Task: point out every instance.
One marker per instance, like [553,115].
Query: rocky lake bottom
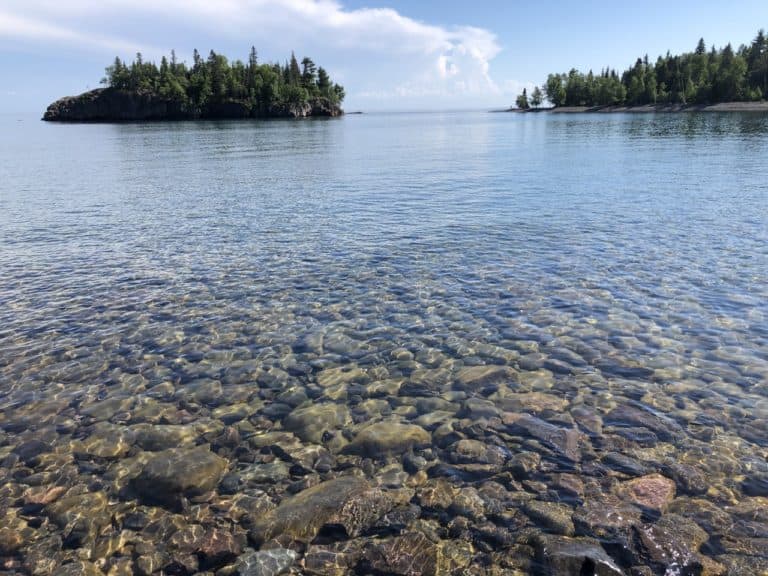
[229,383]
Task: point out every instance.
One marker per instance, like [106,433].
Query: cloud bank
[378,53]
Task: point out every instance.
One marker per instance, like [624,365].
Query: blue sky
[389,54]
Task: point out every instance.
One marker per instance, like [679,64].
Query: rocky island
[211,88]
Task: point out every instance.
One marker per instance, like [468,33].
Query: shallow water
[271,290]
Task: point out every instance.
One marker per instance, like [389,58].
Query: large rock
[311,422]
[607,517]
[564,441]
[171,474]
[671,545]
[551,516]
[388,439]
[633,416]
[213,547]
[653,492]
[265,563]
[81,517]
[563,556]
[475,377]
[336,560]
[348,505]
[411,554]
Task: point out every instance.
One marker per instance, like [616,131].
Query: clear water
[608,260]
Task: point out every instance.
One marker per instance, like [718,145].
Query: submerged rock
[608,518]
[551,516]
[688,479]
[387,439]
[265,563]
[310,423]
[412,554]
[654,491]
[474,377]
[563,441]
[671,545]
[564,556]
[171,474]
[346,505]
[80,517]
[631,416]
[335,560]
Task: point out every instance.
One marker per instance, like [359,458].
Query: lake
[392,343]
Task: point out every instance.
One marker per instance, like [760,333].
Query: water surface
[557,309]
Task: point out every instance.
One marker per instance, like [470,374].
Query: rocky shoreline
[650,108]
[481,478]
[111,105]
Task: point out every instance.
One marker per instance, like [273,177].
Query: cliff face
[109,105]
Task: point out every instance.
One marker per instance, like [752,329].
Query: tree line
[699,77]
[215,80]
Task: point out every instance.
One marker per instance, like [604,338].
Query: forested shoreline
[704,76]
[211,87]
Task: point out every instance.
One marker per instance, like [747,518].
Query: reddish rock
[653,491]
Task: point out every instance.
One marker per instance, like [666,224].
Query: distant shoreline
[649,108]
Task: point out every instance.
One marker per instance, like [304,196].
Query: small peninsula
[211,88]
[702,80]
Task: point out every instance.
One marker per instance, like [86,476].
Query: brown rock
[348,503]
[10,541]
[411,554]
[43,496]
[653,491]
[388,439]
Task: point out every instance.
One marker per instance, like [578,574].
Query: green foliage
[555,90]
[536,97]
[700,76]
[522,100]
[216,80]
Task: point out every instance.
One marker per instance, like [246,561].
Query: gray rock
[28,451]
[265,563]
[475,452]
[624,464]
[671,544]
[563,556]
[348,503]
[630,416]
[171,474]
[551,516]
[564,441]
[688,479]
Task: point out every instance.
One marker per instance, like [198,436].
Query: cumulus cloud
[412,57]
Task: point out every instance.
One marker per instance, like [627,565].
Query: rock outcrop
[111,105]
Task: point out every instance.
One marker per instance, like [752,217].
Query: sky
[389,54]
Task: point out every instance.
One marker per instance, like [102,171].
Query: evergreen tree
[536,97]
[294,72]
[522,100]
[700,76]
[213,81]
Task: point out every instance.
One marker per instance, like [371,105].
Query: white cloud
[14,26]
[411,58]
